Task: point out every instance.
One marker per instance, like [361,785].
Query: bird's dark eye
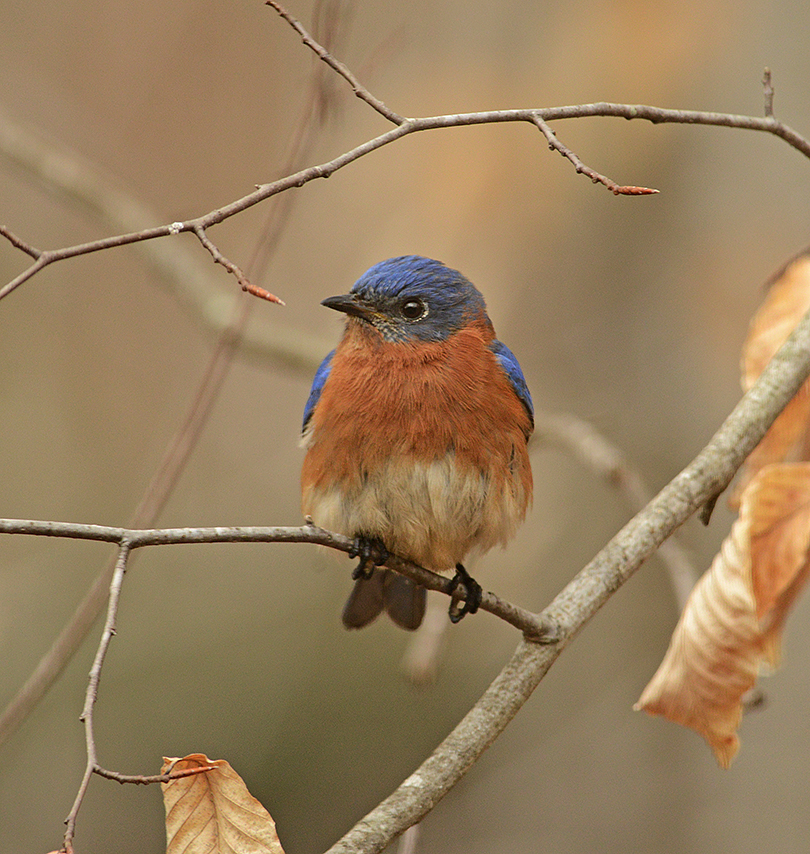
[413,309]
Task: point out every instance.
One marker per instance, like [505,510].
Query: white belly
[432,513]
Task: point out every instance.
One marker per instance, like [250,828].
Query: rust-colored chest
[422,400]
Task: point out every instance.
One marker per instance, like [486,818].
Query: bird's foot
[371,552]
[472,594]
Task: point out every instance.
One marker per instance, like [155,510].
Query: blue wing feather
[321,375]
[508,361]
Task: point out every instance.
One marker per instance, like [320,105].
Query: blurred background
[627,312]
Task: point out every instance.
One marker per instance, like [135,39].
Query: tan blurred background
[627,312]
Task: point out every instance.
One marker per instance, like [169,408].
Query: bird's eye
[413,309]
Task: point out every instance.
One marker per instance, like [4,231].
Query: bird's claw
[473,594]
[371,552]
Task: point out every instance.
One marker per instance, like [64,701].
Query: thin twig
[19,243]
[50,256]
[338,66]
[142,780]
[617,189]
[767,88]
[232,268]
[92,690]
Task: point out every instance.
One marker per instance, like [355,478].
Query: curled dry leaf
[733,620]
[787,301]
[214,812]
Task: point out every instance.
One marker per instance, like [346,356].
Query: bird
[416,431]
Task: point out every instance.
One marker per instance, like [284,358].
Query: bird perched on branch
[416,431]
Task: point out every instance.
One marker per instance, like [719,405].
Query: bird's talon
[362,570]
[473,593]
[371,552]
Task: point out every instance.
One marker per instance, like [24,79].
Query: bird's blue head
[412,298]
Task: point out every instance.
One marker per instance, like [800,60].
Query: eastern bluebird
[416,432]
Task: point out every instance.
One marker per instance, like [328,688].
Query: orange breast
[405,403]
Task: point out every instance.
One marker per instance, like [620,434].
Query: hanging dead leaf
[787,301]
[214,812]
[733,620]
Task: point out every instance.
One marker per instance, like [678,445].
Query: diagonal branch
[232,268]
[711,471]
[19,243]
[337,66]
[555,145]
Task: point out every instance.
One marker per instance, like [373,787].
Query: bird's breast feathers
[422,446]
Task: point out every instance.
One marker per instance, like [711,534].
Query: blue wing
[321,375]
[508,361]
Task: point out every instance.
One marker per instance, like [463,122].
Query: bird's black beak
[349,304]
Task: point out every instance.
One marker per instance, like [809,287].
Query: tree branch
[655,115]
[710,472]
[141,538]
[337,66]
[555,145]
[145,780]
[92,691]
[702,480]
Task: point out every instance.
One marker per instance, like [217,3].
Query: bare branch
[135,538]
[141,780]
[50,256]
[92,691]
[555,145]
[338,66]
[655,115]
[30,272]
[19,243]
[710,472]
[697,484]
[767,89]
[232,268]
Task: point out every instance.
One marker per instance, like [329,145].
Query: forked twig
[519,617]
[92,690]
[405,126]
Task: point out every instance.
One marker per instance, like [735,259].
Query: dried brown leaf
[214,812]
[787,301]
[733,620]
